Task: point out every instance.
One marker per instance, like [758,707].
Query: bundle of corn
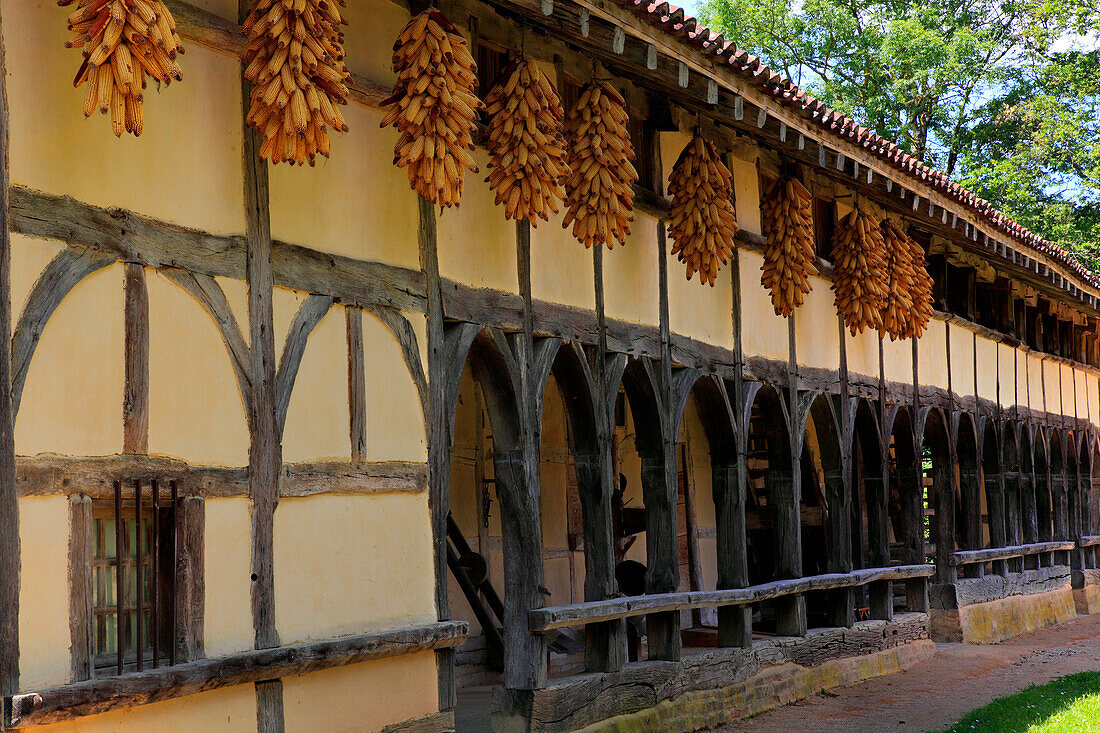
[907,307]
[599,194]
[859,269]
[123,40]
[435,107]
[789,253]
[526,143]
[702,223]
[295,61]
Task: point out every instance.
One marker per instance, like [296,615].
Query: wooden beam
[357,384]
[135,401]
[968,557]
[9,503]
[305,320]
[556,617]
[68,702]
[81,551]
[190,591]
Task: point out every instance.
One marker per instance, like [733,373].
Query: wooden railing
[575,614]
[1089,540]
[1089,555]
[1041,553]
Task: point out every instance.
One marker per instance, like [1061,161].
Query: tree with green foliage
[976,88]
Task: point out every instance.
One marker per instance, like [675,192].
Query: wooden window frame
[180,614]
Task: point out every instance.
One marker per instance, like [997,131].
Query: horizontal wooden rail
[556,617]
[969,557]
[100,695]
[1089,540]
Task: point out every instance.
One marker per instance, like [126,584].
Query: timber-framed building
[365,454]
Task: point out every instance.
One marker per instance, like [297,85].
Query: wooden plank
[81,551]
[357,384]
[968,557]
[135,400]
[9,503]
[190,590]
[305,320]
[81,699]
[556,617]
[48,475]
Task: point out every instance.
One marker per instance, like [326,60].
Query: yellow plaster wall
[861,351]
[763,332]
[986,358]
[356,203]
[700,311]
[1035,381]
[224,710]
[72,400]
[395,423]
[1068,390]
[477,245]
[361,697]
[317,417]
[224,8]
[1051,372]
[366,560]
[630,275]
[184,168]
[1006,371]
[227,615]
[817,335]
[932,354]
[672,144]
[1092,394]
[561,267]
[28,258]
[372,28]
[962,360]
[897,360]
[196,412]
[44,592]
[746,191]
[1021,376]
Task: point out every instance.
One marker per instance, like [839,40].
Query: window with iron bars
[133,578]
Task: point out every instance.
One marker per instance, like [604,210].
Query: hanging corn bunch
[526,143]
[908,303]
[789,253]
[295,61]
[122,41]
[435,107]
[702,222]
[599,194]
[859,272]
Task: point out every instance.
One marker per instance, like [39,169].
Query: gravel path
[935,693]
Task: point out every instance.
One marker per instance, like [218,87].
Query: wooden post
[604,643]
[81,552]
[357,384]
[659,489]
[787,496]
[994,494]
[944,483]
[880,594]
[265,450]
[9,496]
[135,401]
[838,494]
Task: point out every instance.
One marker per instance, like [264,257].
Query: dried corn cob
[295,61]
[435,107]
[599,192]
[859,272]
[526,143]
[702,222]
[122,41]
[789,254]
[908,300]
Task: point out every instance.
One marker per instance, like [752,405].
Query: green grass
[1067,705]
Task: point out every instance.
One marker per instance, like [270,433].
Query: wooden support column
[838,494]
[969,486]
[659,489]
[135,401]
[944,482]
[357,384]
[880,594]
[910,482]
[790,611]
[604,643]
[440,428]
[264,451]
[9,503]
[994,495]
[1058,499]
[1029,512]
[81,552]
[729,486]
[1011,479]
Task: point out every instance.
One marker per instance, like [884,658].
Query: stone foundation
[1004,618]
[713,687]
[1086,591]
